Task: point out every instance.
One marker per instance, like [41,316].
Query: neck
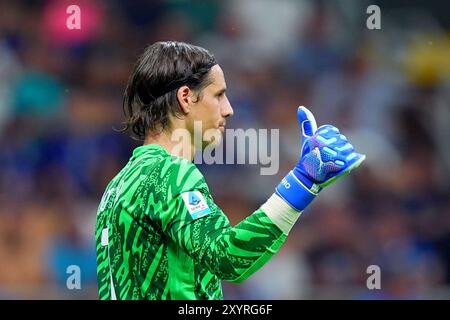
[177,147]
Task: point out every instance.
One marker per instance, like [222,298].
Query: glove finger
[355,162]
[307,122]
[327,130]
[344,148]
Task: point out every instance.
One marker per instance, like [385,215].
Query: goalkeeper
[159,234]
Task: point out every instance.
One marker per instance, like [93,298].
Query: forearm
[235,253]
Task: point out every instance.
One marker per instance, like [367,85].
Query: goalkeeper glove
[326,155]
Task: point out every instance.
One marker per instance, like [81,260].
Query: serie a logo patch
[196,204]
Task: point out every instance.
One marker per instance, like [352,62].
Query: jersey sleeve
[194,222]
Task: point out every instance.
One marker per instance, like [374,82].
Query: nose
[227,110]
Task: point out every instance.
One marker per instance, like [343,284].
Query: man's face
[212,109]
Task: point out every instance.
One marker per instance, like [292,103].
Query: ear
[184,96]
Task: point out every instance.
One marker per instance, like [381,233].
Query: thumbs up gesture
[326,155]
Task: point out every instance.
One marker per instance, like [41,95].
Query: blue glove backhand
[326,155]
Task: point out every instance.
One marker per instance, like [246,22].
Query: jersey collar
[152,148]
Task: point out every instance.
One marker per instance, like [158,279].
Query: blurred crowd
[387,90]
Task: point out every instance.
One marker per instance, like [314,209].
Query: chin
[213,139]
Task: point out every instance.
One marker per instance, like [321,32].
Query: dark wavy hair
[151,93]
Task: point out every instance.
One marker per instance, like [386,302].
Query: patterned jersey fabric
[159,234]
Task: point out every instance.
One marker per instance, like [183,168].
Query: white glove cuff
[281,213]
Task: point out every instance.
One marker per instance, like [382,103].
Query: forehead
[217,77]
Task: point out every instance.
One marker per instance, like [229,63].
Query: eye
[221,94]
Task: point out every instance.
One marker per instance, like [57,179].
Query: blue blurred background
[388,90]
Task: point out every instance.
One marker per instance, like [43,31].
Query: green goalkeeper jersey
[159,234]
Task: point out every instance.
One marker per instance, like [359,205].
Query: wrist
[297,190]
[282,214]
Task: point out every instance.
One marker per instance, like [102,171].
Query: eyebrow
[221,91]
